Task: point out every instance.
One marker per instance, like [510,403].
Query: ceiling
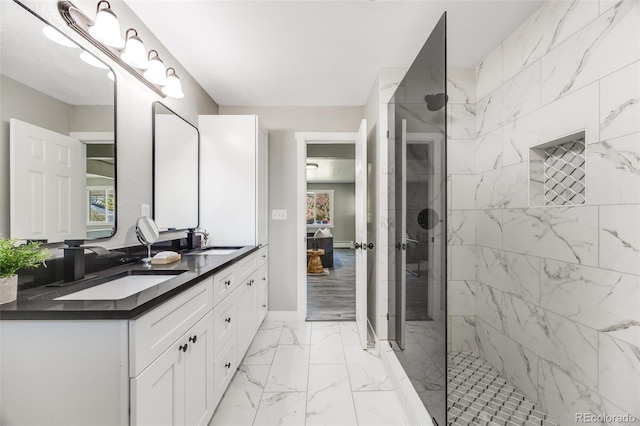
[317,53]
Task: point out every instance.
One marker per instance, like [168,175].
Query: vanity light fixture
[173,88]
[312,166]
[106,28]
[156,72]
[134,52]
[92,60]
[104,34]
[57,37]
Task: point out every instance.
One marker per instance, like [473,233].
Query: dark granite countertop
[38,303]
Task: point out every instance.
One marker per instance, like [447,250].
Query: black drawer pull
[228,365]
[184,347]
[193,339]
[227,320]
[227,283]
[250,282]
[264,278]
[264,306]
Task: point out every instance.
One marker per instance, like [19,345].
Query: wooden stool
[315,263]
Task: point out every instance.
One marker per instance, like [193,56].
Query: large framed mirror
[175,170]
[57,134]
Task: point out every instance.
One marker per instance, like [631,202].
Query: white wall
[282,123]
[134,104]
[558,297]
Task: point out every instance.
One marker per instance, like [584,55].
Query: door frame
[302,139]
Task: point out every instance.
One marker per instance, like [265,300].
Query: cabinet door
[252,311]
[198,387]
[157,394]
[243,334]
[262,187]
[262,298]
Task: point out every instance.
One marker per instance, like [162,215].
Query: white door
[198,377]
[361,233]
[48,184]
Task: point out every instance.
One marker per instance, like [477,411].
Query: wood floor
[333,297]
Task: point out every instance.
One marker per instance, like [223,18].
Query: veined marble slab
[620,238]
[512,273]
[504,187]
[613,175]
[462,228]
[620,102]
[489,228]
[488,151]
[567,233]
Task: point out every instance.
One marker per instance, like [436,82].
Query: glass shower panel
[417,123]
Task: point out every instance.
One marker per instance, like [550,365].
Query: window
[101,205]
[320,209]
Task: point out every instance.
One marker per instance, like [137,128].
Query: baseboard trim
[284,316]
[417,414]
[343,244]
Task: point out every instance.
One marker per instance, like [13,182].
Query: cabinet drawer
[154,332]
[225,323]
[247,266]
[224,366]
[263,255]
[223,283]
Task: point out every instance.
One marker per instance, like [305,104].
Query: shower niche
[557,172]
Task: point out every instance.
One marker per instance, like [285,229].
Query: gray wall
[344,198]
[282,123]
[18,101]
[134,130]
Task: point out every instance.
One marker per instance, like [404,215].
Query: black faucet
[74,258]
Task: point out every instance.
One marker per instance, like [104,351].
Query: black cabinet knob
[183,348]
[227,320]
[228,365]
[227,283]
[193,339]
[264,278]
[264,306]
[249,283]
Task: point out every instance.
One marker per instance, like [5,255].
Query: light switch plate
[278,214]
[145,210]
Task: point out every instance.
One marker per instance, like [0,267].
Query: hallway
[304,374]
[332,297]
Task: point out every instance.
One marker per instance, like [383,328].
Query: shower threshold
[478,395]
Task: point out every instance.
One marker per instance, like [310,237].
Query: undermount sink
[122,285]
[208,251]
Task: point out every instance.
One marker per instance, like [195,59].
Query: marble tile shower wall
[461,168]
[556,289]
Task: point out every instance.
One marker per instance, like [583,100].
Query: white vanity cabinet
[169,366]
[171,352]
[234,179]
[177,388]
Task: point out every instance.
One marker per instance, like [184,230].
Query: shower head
[436,101]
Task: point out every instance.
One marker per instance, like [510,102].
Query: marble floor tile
[296,333]
[329,400]
[366,371]
[271,325]
[241,400]
[379,409]
[289,369]
[284,408]
[349,333]
[326,344]
[263,347]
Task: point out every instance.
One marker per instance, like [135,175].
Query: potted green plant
[14,257]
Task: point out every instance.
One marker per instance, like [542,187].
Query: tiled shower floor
[479,395]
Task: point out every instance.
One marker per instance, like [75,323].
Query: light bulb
[173,88]
[57,37]
[156,72]
[134,52]
[92,60]
[106,28]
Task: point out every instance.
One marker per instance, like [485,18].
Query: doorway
[359,141]
[330,220]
